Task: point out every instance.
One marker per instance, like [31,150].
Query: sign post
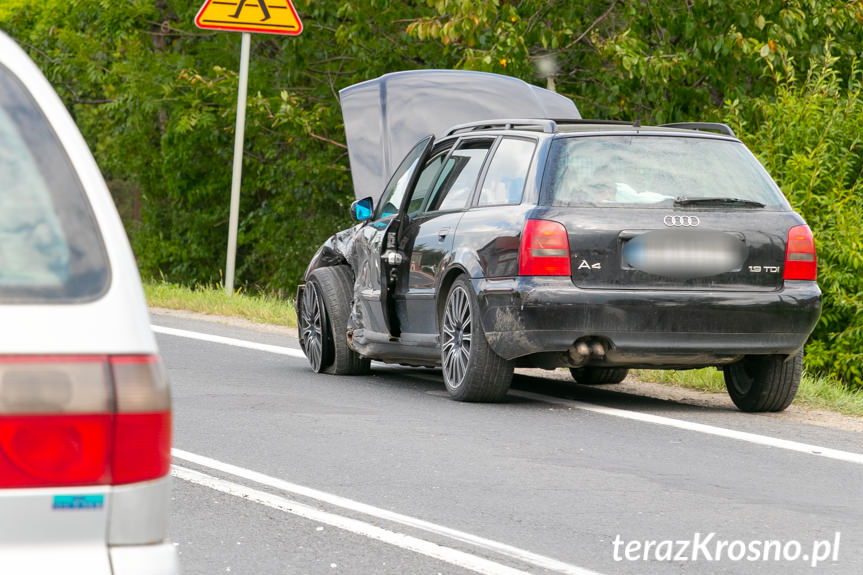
[237,172]
[262,16]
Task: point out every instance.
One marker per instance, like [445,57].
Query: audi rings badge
[681,221]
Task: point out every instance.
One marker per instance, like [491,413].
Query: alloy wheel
[456,337]
[312,327]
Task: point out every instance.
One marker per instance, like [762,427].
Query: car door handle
[442,233]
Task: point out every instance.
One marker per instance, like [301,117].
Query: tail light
[83,420]
[544,249]
[800,260]
[142,428]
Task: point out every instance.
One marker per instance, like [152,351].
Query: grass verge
[213,300]
[815,391]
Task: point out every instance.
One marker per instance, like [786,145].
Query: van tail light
[83,420]
[142,428]
[800,260]
[544,249]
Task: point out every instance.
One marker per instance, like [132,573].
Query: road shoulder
[664,392]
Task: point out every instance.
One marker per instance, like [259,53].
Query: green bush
[808,136]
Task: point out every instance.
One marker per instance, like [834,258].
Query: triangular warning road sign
[268,16]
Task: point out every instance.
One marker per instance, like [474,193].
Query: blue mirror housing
[362,210]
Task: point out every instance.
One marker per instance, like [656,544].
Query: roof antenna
[637,123]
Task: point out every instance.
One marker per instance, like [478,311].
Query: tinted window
[428,176]
[458,176]
[391,199]
[651,171]
[50,247]
[504,181]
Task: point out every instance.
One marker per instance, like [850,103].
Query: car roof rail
[713,126]
[547,126]
[589,121]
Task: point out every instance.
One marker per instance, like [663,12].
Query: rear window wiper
[717,202]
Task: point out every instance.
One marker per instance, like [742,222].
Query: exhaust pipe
[581,351]
[597,349]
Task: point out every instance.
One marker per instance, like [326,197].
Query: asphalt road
[282,471]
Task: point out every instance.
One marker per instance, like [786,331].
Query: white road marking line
[765,440]
[281,350]
[378,513]
[847,456]
[414,544]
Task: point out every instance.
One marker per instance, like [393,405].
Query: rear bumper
[530,315]
[119,530]
[89,558]
[159,559]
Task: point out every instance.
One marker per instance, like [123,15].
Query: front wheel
[323,319]
[764,383]
[472,371]
[313,328]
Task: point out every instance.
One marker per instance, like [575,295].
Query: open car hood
[385,117]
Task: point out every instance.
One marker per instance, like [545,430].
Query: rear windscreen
[653,171]
[50,247]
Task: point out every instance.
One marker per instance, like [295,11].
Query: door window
[392,197]
[458,177]
[427,178]
[504,181]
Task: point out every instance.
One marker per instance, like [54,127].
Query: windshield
[654,171]
[50,248]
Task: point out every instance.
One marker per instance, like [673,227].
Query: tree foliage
[661,60]
[156,99]
[808,136]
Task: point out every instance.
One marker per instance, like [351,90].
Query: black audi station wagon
[553,241]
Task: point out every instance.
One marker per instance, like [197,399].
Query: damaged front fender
[336,251]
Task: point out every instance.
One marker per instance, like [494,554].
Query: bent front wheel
[313,328]
[335,287]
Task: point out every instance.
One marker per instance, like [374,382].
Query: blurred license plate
[684,254]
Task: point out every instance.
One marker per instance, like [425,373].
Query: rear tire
[598,375]
[335,286]
[764,383]
[472,371]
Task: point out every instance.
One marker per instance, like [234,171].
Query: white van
[85,413]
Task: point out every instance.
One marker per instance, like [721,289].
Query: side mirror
[362,210]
